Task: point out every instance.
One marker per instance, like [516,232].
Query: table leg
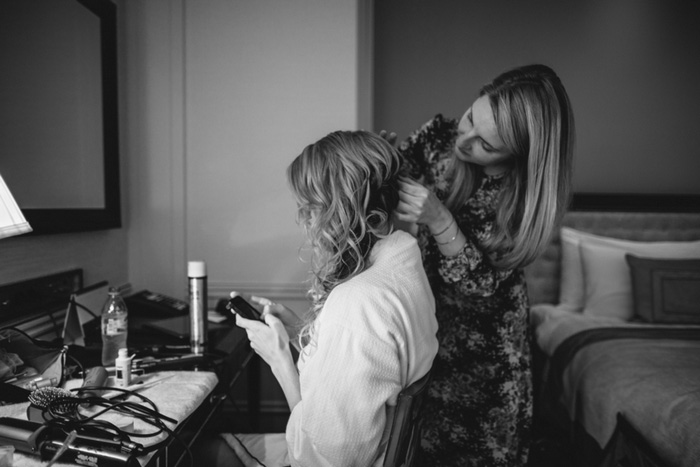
[254,393]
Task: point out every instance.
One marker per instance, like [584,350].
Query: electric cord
[81,306]
[149,415]
[59,410]
[54,323]
[37,342]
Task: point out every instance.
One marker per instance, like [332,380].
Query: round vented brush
[50,402]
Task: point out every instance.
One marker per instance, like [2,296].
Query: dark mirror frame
[48,221]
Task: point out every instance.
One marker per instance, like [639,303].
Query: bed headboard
[543,275]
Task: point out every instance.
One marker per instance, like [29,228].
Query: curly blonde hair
[346,188]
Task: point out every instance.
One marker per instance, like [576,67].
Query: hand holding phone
[243,308]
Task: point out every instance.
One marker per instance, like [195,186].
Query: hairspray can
[197,279]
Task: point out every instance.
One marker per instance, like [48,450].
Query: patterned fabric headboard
[543,275]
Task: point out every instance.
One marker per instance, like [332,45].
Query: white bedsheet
[552,325]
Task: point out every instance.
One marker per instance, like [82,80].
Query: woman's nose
[464,145]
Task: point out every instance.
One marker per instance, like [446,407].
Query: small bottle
[197,281]
[114,327]
[122,365]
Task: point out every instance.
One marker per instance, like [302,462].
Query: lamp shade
[12,222]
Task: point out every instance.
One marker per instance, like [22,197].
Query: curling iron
[35,438]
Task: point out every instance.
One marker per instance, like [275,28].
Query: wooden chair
[405,435]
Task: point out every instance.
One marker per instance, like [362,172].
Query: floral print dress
[479,407]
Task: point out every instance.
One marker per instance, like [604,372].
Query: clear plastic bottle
[114,327]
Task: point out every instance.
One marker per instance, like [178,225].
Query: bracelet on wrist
[450,240]
[445,229]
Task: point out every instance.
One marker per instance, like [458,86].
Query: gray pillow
[665,290]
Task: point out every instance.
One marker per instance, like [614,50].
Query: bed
[616,324]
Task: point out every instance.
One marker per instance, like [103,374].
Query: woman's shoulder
[393,259]
[395,275]
[436,134]
[438,126]
[396,241]
[430,143]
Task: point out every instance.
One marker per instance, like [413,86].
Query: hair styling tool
[49,402]
[35,438]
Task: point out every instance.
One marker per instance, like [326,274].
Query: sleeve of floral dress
[427,144]
[471,271]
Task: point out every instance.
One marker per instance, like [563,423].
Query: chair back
[405,435]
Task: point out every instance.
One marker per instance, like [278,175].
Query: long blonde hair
[535,120]
[346,187]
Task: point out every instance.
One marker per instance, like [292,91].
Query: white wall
[221,96]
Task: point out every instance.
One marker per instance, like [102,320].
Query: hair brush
[48,402]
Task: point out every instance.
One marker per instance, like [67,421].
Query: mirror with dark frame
[59,143]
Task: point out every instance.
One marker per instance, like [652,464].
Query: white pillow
[608,286]
[572,285]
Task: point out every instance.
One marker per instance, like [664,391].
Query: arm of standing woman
[419,205]
[463,261]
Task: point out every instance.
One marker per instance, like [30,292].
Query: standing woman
[486,193]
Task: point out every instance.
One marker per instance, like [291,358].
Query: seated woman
[371,329]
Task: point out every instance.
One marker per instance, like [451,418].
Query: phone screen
[243,308]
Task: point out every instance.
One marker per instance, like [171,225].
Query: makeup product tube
[122,366]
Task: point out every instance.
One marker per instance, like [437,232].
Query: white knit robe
[374,336]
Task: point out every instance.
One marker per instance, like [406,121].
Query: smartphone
[243,308]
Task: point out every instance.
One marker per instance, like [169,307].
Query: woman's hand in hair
[419,205]
[389,137]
